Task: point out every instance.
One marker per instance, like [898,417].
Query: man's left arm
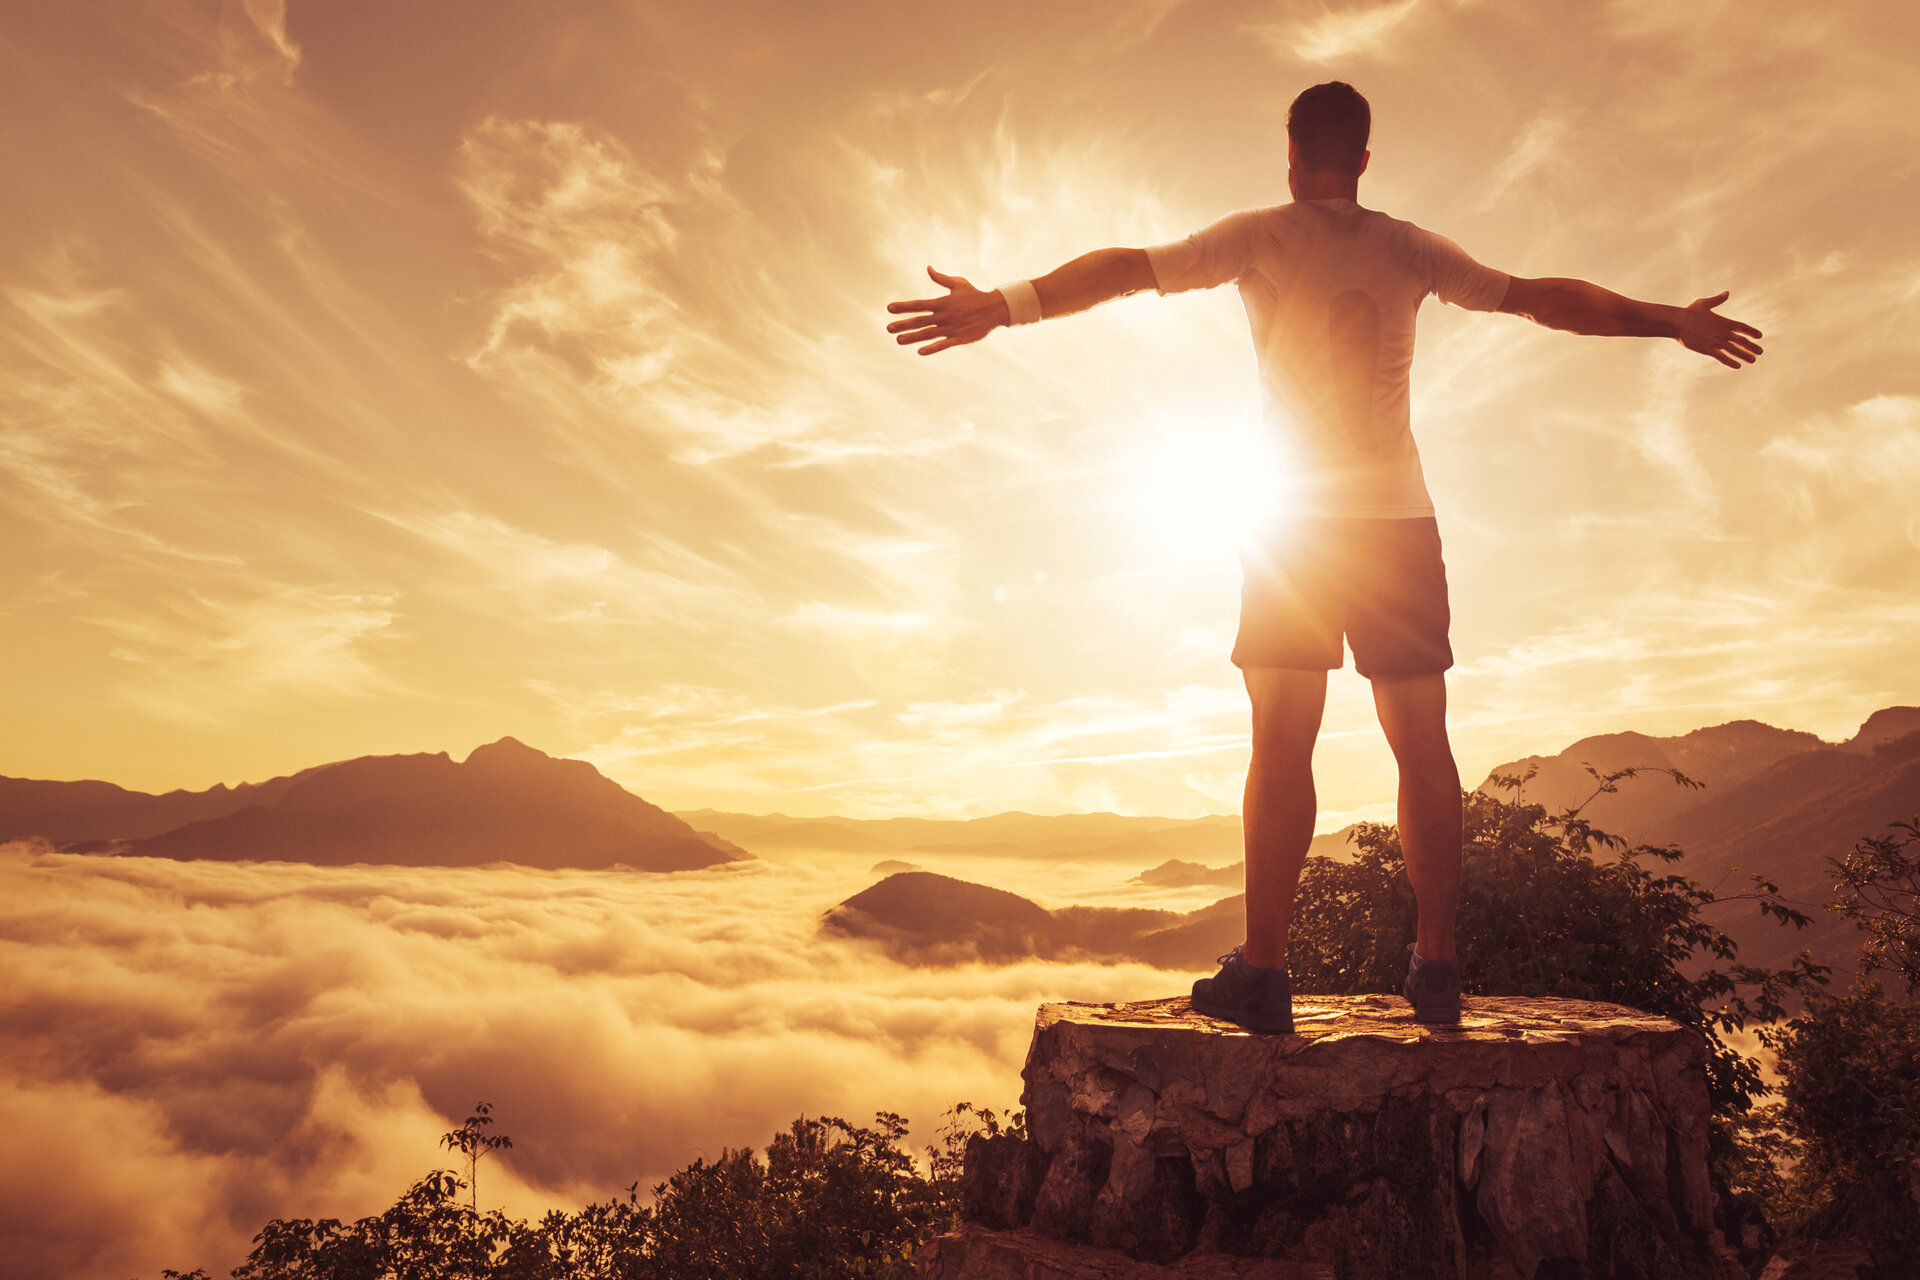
[1579,306]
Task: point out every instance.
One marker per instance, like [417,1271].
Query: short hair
[1329,124]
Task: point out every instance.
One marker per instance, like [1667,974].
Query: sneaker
[1258,999]
[1433,988]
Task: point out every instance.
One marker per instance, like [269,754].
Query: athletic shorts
[1380,583]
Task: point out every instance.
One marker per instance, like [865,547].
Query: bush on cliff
[829,1200]
[1544,911]
[1850,1071]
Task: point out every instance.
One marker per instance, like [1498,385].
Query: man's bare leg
[1413,712]
[1279,808]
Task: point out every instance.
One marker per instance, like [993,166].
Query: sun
[1200,486]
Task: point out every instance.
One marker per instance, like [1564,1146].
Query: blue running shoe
[1258,999]
[1433,988]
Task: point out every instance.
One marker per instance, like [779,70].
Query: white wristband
[1023,303]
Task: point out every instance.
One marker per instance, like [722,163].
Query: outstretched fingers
[1738,341]
[1727,340]
[925,328]
[934,324]
[924,323]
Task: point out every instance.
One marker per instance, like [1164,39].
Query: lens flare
[1200,486]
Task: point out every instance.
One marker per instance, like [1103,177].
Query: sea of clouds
[190,1049]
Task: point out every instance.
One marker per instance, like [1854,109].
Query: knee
[1280,743]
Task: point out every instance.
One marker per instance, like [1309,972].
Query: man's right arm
[1577,306]
[967,314]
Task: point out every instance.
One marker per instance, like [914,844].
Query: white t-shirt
[1331,290]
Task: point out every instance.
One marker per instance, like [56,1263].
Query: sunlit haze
[391,376]
[385,378]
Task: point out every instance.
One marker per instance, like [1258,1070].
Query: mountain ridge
[506,802]
[1765,809]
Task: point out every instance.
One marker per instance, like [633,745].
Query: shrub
[1542,915]
[1850,1065]
[830,1199]
[1879,884]
[1850,1081]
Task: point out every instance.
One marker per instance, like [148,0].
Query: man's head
[1327,129]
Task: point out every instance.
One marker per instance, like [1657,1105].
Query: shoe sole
[1444,1017]
[1242,1018]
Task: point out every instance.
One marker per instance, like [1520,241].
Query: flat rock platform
[1539,1138]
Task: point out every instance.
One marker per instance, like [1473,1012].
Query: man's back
[1331,291]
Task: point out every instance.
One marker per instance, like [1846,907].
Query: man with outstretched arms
[1331,290]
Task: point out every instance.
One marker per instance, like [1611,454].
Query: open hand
[1731,342]
[965,315]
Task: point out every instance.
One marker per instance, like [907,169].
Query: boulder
[1540,1138]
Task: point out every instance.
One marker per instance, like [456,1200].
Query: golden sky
[385,377]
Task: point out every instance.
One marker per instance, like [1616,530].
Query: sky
[382,377]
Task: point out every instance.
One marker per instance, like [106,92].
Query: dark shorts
[1381,583]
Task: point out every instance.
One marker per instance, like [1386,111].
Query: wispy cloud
[1543,146]
[585,390]
[207,658]
[1329,32]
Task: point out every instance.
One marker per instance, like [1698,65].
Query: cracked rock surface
[1539,1138]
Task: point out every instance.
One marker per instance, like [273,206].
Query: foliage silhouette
[1850,1074]
[1879,884]
[473,1141]
[829,1200]
[1543,912]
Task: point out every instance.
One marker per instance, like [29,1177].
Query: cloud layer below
[191,1049]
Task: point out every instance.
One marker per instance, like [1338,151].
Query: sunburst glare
[1198,484]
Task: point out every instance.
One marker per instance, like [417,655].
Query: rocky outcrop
[1540,1138]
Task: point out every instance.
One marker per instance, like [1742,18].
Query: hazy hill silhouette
[1177,873]
[73,812]
[1776,803]
[1077,837]
[1721,757]
[506,802]
[923,918]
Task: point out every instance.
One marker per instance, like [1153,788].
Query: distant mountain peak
[1885,725]
[504,748]
[507,802]
[1724,757]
